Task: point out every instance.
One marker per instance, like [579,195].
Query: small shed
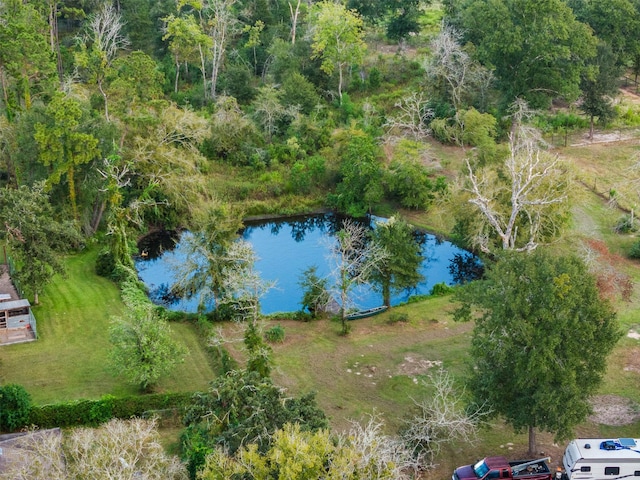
[17,323]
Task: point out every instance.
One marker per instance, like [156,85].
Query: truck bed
[537,468]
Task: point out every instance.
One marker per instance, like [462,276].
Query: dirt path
[6,286]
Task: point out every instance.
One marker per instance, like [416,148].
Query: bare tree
[102,42]
[294,20]
[268,110]
[243,286]
[534,186]
[441,418]
[378,455]
[120,449]
[412,117]
[220,27]
[451,64]
[352,259]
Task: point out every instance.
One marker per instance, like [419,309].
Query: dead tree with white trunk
[353,259]
[522,202]
[441,418]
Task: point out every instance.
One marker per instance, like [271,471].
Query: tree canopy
[540,342]
[34,236]
[538,49]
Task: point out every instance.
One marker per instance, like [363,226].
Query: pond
[285,248]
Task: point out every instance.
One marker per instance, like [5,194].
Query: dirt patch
[632,361]
[613,410]
[633,334]
[609,137]
[414,365]
[6,285]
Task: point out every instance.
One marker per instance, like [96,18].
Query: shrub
[102,411]
[275,334]
[635,250]
[441,289]
[94,412]
[15,406]
[105,263]
[396,317]
[375,78]
[626,224]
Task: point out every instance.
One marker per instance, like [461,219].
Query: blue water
[285,248]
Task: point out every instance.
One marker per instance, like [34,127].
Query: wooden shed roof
[13,304]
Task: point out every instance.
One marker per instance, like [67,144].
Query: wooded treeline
[165,105]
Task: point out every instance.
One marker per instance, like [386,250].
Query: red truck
[500,468]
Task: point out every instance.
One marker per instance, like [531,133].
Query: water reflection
[287,247]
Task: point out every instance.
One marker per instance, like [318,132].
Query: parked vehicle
[602,459]
[501,468]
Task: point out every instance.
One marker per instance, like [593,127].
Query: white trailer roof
[625,448]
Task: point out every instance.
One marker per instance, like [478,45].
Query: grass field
[70,359]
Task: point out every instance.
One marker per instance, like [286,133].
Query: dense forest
[121,118]
[164,107]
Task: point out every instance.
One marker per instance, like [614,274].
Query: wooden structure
[17,323]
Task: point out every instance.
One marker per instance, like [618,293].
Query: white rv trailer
[602,459]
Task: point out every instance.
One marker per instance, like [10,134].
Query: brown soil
[614,410]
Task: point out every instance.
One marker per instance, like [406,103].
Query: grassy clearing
[378,366]
[69,361]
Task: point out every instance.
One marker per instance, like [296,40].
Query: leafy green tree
[241,408]
[401,269]
[188,44]
[300,93]
[63,143]
[132,84]
[599,85]
[615,22]
[360,186]
[408,180]
[403,19]
[143,350]
[400,16]
[529,61]
[15,406]
[219,22]
[207,265]
[26,61]
[35,236]
[338,38]
[315,294]
[540,342]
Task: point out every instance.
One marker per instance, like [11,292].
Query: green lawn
[69,361]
